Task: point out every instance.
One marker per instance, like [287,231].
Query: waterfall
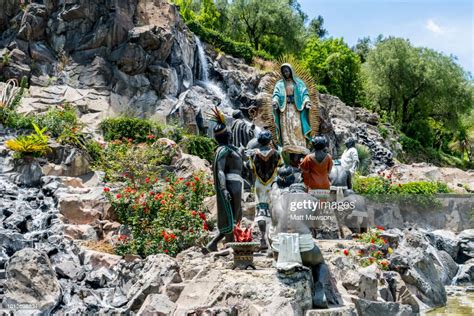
[458,274]
[211,86]
[203,71]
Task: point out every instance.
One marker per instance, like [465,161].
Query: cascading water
[203,70]
[210,86]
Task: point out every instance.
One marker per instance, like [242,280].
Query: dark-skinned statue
[288,232]
[228,183]
[316,166]
[264,162]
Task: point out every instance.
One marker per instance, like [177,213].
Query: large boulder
[157,305]
[371,308]
[416,260]
[32,281]
[188,165]
[158,272]
[466,245]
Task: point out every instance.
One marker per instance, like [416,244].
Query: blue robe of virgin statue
[293,128]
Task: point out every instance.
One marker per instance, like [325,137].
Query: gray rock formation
[31,281]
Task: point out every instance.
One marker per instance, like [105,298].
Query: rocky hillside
[138,58]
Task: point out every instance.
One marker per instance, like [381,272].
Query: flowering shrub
[374,249]
[162,216]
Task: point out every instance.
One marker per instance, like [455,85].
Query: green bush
[201,146]
[136,129]
[365,158]
[122,160]
[383,131]
[416,193]
[57,120]
[236,49]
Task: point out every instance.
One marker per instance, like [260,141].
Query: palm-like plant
[365,158]
[35,144]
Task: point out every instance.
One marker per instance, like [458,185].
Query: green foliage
[418,193]
[365,159]
[414,83]
[242,26]
[162,217]
[316,28]
[334,66]
[35,144]
[121,160]
[57,120]
[201,146]
[272,25]
[383,131]
[136,129]
[236,49]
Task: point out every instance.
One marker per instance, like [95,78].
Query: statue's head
[237,114]
[297,188]
[319,142]
[350,142]
[264,138]
[222,134]
[285,177]
[286,71]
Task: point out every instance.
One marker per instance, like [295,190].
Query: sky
[444,25]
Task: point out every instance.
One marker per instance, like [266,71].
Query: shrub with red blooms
[162,216]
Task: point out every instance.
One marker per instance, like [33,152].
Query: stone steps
[333,311]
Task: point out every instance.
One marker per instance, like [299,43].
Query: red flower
[172,236]
[118,196]
[202,216]
[380,227]
[194,213]
[205,227]
[163,202]
[384,240]
[152,193]
[346,252]
[166,250]
[106,190]
[150,136]
[196,178]
[188,184]
[167,179]
[147,180]
[122,237]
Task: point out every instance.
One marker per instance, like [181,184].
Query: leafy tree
[335,67]
[414,84]
[315,27]
[272,25]
[362,48]
[209,15]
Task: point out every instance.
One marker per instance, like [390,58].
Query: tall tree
[335,67]
[362,48]
[413,84]
[274,25]
[315,27]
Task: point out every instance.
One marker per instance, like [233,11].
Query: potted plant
[243,247]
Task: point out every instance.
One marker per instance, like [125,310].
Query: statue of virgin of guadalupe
[294,117]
